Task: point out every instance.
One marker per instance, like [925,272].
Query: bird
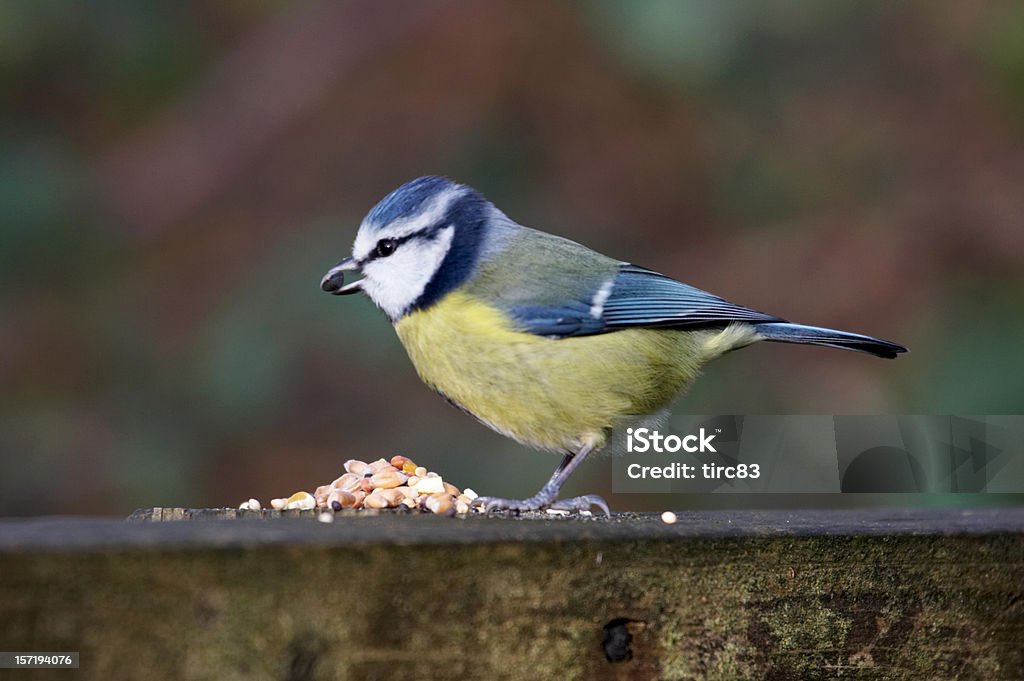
[538,337]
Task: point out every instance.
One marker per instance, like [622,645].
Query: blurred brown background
[176,177]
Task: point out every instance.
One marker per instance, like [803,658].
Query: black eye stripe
[395,242]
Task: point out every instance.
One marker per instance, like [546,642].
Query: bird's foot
[541,502]
[582,503]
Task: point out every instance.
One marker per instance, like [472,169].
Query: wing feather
[639,298]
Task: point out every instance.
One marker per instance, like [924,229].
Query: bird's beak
[333,282]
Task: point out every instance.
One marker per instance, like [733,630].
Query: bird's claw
[582,503]
[497,504]
[539,503]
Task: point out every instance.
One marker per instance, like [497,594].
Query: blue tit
[538,337]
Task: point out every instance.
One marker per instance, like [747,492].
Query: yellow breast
[550,393]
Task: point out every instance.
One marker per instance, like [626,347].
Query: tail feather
[785,332]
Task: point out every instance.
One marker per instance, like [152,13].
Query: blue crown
[407,200]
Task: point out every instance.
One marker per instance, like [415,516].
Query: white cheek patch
[396,282]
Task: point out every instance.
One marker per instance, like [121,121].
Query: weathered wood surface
[882,594]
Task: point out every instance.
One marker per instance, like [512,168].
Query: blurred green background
[176,177]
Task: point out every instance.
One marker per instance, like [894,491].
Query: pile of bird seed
[398,483]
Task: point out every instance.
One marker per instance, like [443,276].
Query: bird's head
[420,242]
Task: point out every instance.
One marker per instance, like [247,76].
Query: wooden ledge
[166,528]
[879,594]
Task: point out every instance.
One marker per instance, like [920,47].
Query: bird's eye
[385,247]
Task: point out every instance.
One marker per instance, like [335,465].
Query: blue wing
[641,297]
[638,297]
[571,319]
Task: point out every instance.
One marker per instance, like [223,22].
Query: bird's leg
[547,497]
